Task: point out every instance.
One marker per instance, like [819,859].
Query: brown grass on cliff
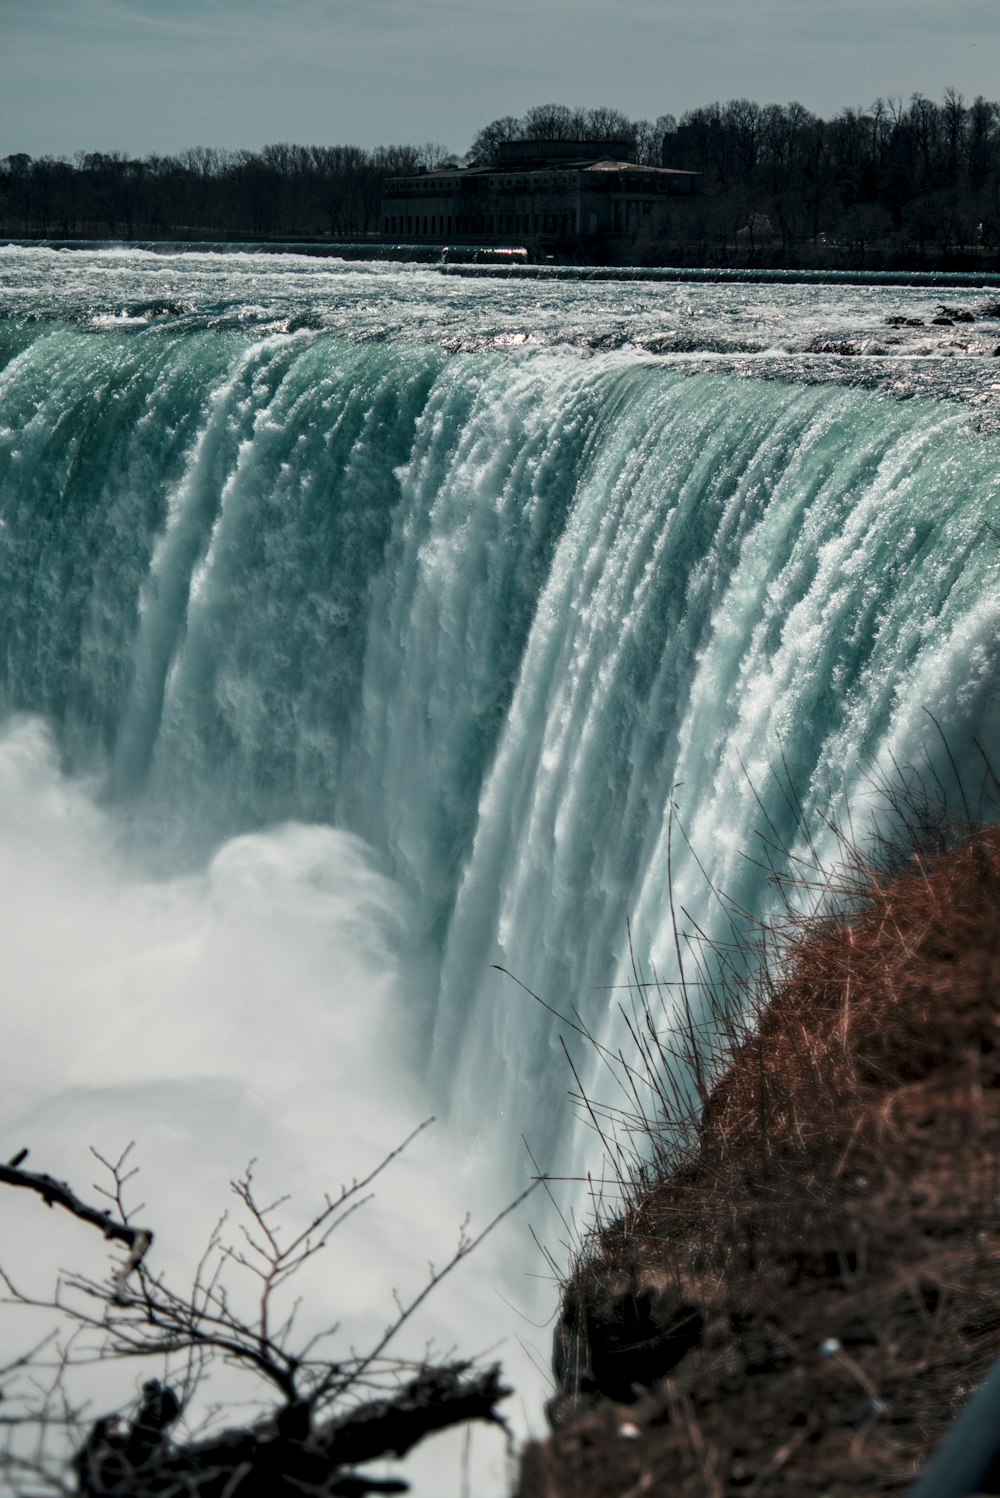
[833,1235]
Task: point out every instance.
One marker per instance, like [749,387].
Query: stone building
[575,200]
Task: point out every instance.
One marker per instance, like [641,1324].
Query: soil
[805,1298]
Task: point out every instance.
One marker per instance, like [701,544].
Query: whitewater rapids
[349,657]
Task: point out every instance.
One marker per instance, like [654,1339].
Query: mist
[255,1009]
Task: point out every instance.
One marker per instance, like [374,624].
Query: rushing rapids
[495,611]
[364,629]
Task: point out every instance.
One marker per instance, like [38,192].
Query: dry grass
[830,1227]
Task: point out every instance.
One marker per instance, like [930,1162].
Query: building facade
[559,199]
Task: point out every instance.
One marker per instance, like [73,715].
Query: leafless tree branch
[331,1414]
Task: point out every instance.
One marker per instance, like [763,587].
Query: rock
[618,1334]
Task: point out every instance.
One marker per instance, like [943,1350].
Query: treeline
[283,191]
[642,139]
[892,180]
[896,184]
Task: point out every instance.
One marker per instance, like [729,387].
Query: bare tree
[317,1416]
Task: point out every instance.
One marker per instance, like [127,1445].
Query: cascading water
[480,608]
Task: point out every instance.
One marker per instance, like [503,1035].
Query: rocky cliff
[806,1299]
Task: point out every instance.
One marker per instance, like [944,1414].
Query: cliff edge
[805,1301]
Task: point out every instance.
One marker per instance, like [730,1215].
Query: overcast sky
[161,75]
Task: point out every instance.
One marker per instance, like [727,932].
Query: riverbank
[517,262]
[805,1302]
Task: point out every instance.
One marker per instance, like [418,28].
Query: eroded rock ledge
[804,1304]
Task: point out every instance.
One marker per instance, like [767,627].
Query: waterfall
[344,664]
[495,614]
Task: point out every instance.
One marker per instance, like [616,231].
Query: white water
[253,1010]
[346,663]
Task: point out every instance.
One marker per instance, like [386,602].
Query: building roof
[535,168]
[631,166]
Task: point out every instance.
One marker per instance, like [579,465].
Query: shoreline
[513,262]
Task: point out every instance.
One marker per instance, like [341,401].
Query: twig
[58,1194]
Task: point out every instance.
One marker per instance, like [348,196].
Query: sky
[147,76]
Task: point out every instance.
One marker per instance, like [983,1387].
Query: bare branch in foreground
[330,1415]
[58,1194]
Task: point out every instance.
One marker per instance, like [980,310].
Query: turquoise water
[495,608]
[364,629]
